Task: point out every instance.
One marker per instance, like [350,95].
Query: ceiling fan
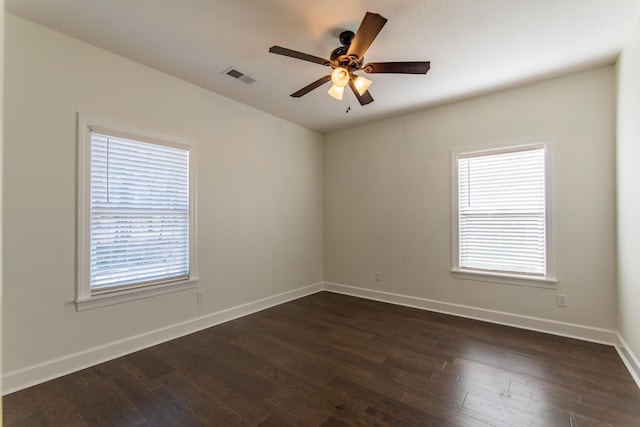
[349,58]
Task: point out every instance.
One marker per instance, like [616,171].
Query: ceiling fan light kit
[345,60]
[340,78]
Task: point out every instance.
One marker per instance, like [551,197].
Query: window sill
[117,297]
[508,279]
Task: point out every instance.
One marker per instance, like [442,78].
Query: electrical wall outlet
[199,296]
[378,276]
[561,300]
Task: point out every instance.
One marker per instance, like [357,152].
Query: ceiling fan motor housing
[339,57]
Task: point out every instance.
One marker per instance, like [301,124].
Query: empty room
[284,213]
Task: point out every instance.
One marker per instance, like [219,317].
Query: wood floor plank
[156,409]
[335,360]
[300,399]
[211,409]
[384,407]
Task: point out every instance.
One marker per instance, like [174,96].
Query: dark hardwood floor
[334,360]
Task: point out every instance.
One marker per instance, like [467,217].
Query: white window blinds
[501,212]
[139,213]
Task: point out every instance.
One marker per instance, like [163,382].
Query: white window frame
[85,299]
[548,280]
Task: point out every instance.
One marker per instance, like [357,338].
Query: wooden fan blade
[368,31]
[363,99]
[298,55]
[308,88]
[414,67]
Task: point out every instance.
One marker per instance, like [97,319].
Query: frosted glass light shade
[362,84]
[336,92]
[340,77]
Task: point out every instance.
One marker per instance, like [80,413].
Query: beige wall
[628,156]
[259,194]
[387,198]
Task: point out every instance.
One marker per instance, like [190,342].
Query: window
[501,215]
[136,216]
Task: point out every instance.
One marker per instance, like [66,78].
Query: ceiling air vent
[238,75]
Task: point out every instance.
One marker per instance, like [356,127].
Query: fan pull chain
[348,101]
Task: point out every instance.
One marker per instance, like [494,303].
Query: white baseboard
[571,330]
[39,373]
[630,360]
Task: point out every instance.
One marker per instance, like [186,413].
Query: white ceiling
[475,46]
